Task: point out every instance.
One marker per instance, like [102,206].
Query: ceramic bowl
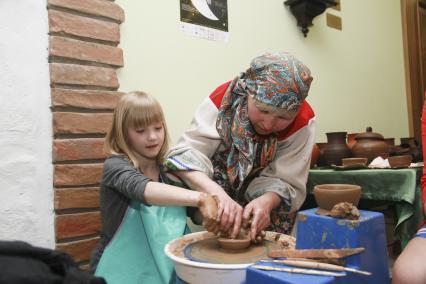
[400,161]
[346,162]
[328,195]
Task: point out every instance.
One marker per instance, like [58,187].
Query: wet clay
[208,242]
[210,251]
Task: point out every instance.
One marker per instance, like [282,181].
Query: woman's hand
[229,214]
[258,212]
[209,207]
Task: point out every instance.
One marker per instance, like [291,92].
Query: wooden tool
[298,270]
[315,253]
[317,265]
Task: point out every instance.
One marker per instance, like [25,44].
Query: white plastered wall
[358,72]
[26,191]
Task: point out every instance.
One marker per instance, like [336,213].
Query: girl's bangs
[141,116]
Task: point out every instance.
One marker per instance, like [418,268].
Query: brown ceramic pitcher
[370,145]
[336,148]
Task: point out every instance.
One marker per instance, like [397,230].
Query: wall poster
[206,19]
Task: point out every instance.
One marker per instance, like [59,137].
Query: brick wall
[83,58]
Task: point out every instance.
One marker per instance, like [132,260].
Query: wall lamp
[306,10]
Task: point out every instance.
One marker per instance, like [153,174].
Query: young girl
[134,233]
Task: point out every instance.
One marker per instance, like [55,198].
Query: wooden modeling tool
[298,270]
[317,265]
[315,253]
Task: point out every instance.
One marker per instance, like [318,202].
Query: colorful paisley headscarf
[275,79]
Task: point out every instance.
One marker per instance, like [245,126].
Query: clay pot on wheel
[336,149]
[370,145]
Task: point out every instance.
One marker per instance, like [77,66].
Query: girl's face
[147,141]
[266,122]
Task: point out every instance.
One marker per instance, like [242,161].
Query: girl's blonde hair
[134,110]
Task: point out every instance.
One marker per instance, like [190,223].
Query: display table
[399,186]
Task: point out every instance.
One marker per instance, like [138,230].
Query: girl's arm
[162,194]
[229,211]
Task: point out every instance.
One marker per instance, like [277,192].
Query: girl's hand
[259,210]
[208,206]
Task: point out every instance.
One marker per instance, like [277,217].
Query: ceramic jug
[336,148]
[370,145]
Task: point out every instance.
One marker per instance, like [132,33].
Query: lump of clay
[345,210]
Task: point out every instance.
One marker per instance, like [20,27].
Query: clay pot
[243,241]
[351,140]
[391,144]
[413,145]
[336,149]
[347,162]
[370,145]
[320,159]
[400,161]
[328,195]
[315,154]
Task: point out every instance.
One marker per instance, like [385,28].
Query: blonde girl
[134,230]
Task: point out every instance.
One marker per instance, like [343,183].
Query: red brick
[66,198]
[81,123]
[77,174]
[85,98]
[100,8]
[77,225]
[78,149]
[68,24]
[86,51]
[82,75]
[79,250]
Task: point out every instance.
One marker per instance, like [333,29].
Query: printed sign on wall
[206,19]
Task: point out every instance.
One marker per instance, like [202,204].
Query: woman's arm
[284,180]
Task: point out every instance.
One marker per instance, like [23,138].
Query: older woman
[250,144]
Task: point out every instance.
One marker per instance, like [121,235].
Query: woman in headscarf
[250,144]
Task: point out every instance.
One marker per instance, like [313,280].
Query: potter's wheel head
[209,251]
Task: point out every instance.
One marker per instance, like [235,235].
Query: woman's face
[266,122]
[147,141]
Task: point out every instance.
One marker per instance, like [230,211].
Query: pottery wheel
[209,251]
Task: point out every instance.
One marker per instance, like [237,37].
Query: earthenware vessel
[328,195]
[354,161]
[370,145]
[400,161]
[351,140]
[413,145]
[391,144]
[336,148]
[320,159]
[315,154]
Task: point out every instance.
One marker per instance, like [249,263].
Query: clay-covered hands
[230,215]
[209,207]
[257,213]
